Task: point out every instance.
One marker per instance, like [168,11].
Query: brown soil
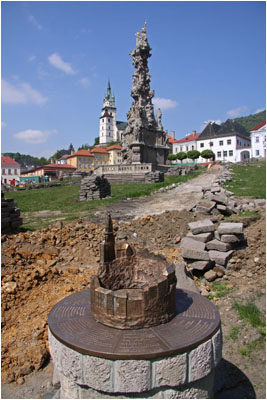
[40,268]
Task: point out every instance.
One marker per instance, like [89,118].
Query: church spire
[109,99]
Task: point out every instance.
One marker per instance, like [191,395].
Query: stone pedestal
[172,360]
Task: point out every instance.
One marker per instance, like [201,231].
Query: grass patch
[65,198]
[234,332]
[220,289]
[250,312]
[247,348]
[249,180]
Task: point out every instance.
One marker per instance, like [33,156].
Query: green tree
[193,154]
[44,161]
[172,157]
[207,154]
[181,156]
[96,141]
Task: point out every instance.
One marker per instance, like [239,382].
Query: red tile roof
[99,150]
[5,160]
[82,152]
[114,147]
[260,125]
[188,138]
[171,140]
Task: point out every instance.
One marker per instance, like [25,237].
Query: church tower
[107,126]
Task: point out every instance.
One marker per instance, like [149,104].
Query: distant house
[229,141]
[115,156]
[101,156]
[51,171]
[258,140]
[82,160]
[10,171]
[63,159]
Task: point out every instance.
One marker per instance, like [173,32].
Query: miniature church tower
[107,126]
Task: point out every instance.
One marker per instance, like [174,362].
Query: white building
[110,130]
[258,140]
[10,171]
[186,144]
[229,141]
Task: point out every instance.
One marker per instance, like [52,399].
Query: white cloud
[164,104]
[33,136]
[34,22]
[205,123]
[85,82]
[31,58]
[259,110]
[3,124]
[237,112]
[22,93]
[56,61]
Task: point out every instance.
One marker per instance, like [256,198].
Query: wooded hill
[251,120]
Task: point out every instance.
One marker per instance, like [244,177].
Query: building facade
[49,171]
[258,140]
[115,155]
[10,171]
[82,160]
[229,141]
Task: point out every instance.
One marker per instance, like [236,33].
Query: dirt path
[183,197]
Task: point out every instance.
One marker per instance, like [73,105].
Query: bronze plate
[72,323]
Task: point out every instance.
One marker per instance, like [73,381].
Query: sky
[208,63]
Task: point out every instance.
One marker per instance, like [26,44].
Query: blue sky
[208,63]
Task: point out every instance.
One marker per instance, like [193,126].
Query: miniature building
[133,289]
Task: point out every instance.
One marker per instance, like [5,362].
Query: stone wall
[10,215]
[94,187]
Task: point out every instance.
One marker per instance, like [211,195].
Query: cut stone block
[220,257]
[232,238]
[200,265]
[201,237]
[215,189]
[219,198]
[224,209]
[193,249]
[205,225]
[230,227]
[210,275]
[218,245]
[205,206]
[259,202]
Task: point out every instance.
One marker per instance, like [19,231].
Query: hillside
[251,120]
[25,159]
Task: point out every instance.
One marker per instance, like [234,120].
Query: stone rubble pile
[218,200]
[94,188]
[179,170]
[207,249]
[10,215]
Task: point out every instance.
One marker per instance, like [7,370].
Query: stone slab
[202,226]
[194,249]
[230,228]
[201,237]
[200,265]
[235,238]
[205,206]
[220,257]
[218,245]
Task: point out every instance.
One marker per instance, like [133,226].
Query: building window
[3,171]
[103,120]
[9,171]
[219,154]
[231,153]
[221,142]
[201,144]
[186,148]
[211,144]
[228,141]
[257,152]
[108,119]
[192,147]
[15,171]
[257,139]
[225,153]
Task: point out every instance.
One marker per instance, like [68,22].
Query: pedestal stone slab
[169,360]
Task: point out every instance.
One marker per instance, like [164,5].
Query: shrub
[181,156]
[207,154]
[193,154]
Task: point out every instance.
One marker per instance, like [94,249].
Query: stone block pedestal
[172,360]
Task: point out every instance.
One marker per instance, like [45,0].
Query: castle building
[110,130]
